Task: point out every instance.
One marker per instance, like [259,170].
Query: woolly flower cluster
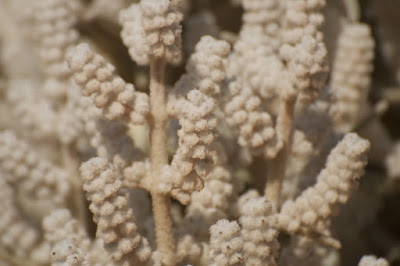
[240,153]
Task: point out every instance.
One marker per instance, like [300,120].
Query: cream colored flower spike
[254,126]
[55,20]
[351,75]
[212,203]
[112,94]
[261,246]
[67,253]
[205,66]
[38,180]
[60,225]
[304,50]
[371,260]
[261,13]
[133,35]
[115,222]
[226,244]
[313,208]
[195,155]
[161,25]
[17,234]
[152,28]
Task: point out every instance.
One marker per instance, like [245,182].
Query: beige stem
[277,165]
[159,157]
[353,10]
[71,163]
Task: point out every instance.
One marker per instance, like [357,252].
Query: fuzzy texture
[189,250]
[205,68]
[370,260]
[260,12]
[60,225]
[115,221]
[254,126]
[303,48]
[211,203]
[66,253]
[55,20]
[161,25]
[313,207]
[194,157]
[351,75]
[226,244]
[117,99]
[245,96]
[133,35]
[54,25]
[256,59]
[307,65]
[261,17]
[27,102]
[135,173]
[301,153]
[192,103]
[261,246]
[16,233]
[301,18]
[38,180]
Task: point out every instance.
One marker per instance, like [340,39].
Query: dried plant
[241,158]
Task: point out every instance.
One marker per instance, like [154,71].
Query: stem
[353,10]
[159,157]
[71,163]
[277,165]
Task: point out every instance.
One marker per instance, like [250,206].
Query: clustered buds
[351,74]
[313,207]
[118,99]
[151,29]
[115,222]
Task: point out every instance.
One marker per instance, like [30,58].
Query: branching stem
[159,157]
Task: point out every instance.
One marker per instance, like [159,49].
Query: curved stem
[159,157]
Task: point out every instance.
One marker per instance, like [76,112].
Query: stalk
[277,165]
[159,157]
[71,163]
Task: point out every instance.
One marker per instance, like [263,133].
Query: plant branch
[159,157]
[277,165]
